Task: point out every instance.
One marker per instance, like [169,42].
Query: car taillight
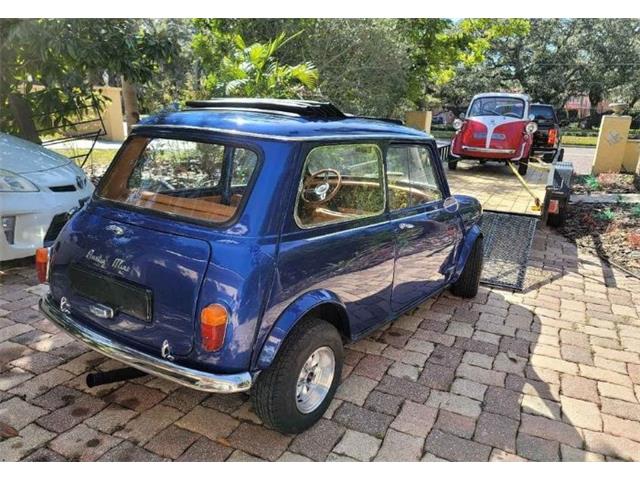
[213,324]
[554,206]
[553,136]
[42,264]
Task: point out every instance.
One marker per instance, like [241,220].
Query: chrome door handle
[101,311]
[406,226]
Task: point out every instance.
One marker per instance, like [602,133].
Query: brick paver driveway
[552,373]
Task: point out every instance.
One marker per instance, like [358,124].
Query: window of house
[340,183]
[410,176]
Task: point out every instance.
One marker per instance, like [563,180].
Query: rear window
[541,112]
[202,181]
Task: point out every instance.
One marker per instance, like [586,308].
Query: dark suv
[546,140]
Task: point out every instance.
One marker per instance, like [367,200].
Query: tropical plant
[255,71]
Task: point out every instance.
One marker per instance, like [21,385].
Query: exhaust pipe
[118,375]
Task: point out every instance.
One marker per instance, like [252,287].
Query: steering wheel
[316,189]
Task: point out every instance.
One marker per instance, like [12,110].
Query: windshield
[497,106]
[203,181]
[543,112]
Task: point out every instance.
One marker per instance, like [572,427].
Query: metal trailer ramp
[507,242]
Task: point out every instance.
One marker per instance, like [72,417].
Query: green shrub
[606,215]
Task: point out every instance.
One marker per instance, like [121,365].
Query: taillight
[554,206]
[213,324]
[42,264]
[553,136]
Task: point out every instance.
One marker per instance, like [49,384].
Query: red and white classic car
[497,127]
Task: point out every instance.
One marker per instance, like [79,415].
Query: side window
[410,176]
[243,164]
[340,183]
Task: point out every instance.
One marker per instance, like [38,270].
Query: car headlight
[531,128]
[11,182]
[457,124]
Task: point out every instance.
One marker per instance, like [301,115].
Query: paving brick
[553,364]
[415,419]
[410,357]
[396,337]
[14,330]
[82,363]
[450,447]
[12,377]
[9,351]
[621,409]
[497,431]
[355,389]
[363,420]
[478,346]
[58,397]
[67,417]
[225,403]
[535,405]
[481,375]
[205,450]
[454,403]
[111,419]
[17,413]
[510,363]
[136,397]
[30,438]
[404,388]
[634,373]
[571,454]
[41,383]
[373,366]
[148,424]
[581,414]
[462,386]
[293,457]
[171,442]
[402,370]
[478,359]
[44,455]
[208,422]
[357,445]
[400,447]
[612,390]
[128,452]
[550,429]
[383,403]
[259,441]
[420,346]
[317,442]
[576,354]
[439,377]
[456,424]
[83,444]
[37,362]
[607,444]
[581,388]
[184,399]
[538,449]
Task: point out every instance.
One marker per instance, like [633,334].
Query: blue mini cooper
[238,244]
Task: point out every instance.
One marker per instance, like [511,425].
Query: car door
[426,235]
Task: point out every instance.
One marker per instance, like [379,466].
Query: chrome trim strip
[487,150]
[199,380]
[285,138]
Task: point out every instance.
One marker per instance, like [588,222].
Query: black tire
[482,162]
[467,285]
[523,166]
[453,164]
[274,393]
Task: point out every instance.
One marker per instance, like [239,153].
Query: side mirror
[462,116]
[532,117]
[451,204]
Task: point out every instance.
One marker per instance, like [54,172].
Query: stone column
[112,114]
[612,142]
[419,120]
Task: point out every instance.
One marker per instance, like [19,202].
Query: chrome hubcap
[315,379]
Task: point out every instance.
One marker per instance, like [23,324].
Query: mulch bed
[612,231]
[606,183]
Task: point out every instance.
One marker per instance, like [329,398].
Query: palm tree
[254,71]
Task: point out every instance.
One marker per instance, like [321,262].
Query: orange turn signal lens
[42,264]
[213,324]
[553,136]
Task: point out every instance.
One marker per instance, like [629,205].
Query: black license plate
[122,296]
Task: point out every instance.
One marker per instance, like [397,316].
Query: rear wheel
[467,285]
[293,393]
[453,164]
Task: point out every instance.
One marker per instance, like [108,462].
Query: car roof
[280,125]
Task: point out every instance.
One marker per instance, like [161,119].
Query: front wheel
[453,164]
[467,285]
[293,393]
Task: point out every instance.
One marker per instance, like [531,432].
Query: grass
[98,157]
[635,211]
[568,140]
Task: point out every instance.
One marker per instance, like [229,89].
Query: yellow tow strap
[536,200]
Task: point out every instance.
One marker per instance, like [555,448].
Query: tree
[233,68]
[68,57]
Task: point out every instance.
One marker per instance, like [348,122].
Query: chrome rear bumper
[199,380]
